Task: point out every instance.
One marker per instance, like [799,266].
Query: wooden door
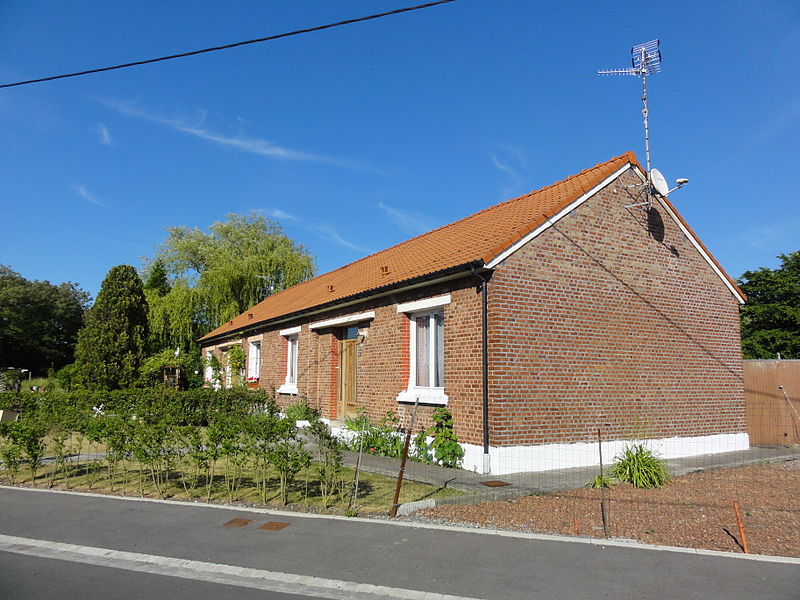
[348,370]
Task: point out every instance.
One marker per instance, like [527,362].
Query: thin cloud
[772,236]
[409,222]
[251,145]
[505,168]
[88,196]
[330,234]
[103,134]
[277,213]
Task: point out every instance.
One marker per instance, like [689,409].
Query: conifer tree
[112,343]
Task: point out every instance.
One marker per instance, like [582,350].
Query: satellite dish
[659,182]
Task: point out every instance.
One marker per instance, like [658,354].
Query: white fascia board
[555,218]
[425,304]
[290,331]
[704,254]
[695,242]
[572,206]
[365,316]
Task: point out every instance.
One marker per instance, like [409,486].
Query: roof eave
[427,279]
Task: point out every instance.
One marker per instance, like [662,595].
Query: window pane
[438,376]
[254,359]
[423,351]
[291,376]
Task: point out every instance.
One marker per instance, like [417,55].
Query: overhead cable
[228,46]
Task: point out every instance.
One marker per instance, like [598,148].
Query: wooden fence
[772,401]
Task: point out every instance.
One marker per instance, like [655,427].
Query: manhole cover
[495,483]
[238,522]
[274,526]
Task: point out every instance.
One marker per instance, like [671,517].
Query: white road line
[287,583]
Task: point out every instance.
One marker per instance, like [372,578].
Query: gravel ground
[694,511]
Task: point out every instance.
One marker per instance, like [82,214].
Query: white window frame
[253,360]
[292,353]
[208,374]
[414,392]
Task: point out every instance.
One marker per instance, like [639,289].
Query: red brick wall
[383,358]
[598,321]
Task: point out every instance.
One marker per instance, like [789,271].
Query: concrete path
[519,484]
[336,557]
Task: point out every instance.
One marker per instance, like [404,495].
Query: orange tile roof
[475,239]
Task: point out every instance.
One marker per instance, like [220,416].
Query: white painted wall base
[502,460]
[548,457]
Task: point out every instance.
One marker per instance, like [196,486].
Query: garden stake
[741,526]
[575,529]
[791,407]
[354,497]
[602,487]
[395,504]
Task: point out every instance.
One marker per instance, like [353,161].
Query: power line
[227,46]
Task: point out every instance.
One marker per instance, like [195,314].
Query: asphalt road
[33,578]
[133,549]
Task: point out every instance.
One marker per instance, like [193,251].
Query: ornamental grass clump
[641,467]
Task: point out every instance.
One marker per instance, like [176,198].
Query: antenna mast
[645,60]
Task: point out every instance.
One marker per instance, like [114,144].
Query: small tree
[329,458]
[288,456]
[112,343]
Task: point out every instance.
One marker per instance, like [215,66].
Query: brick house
[535,321]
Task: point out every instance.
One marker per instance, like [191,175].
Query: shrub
[640,466]
[301,411]
[420,449]
[446,449]
[382,439]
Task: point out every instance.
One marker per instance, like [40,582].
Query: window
[291,363]
[292,350]
[208,374]
[426,380]
[429,350]
[253,361]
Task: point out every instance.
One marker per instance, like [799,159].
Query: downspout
[486,467]
[485,370]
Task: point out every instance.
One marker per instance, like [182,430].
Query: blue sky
[359,137]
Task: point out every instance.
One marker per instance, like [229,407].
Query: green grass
[375,492]
[41,382]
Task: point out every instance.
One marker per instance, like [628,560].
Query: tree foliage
[157,280]
[219,274]
[39,322]
[112,343]
[771,316]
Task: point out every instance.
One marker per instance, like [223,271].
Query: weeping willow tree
[218,274]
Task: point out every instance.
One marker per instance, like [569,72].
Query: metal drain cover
[274,526]
[495,483]
[238,522]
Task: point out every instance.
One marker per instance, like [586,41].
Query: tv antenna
[646,60]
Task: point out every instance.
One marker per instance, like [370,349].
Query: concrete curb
[617,543]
